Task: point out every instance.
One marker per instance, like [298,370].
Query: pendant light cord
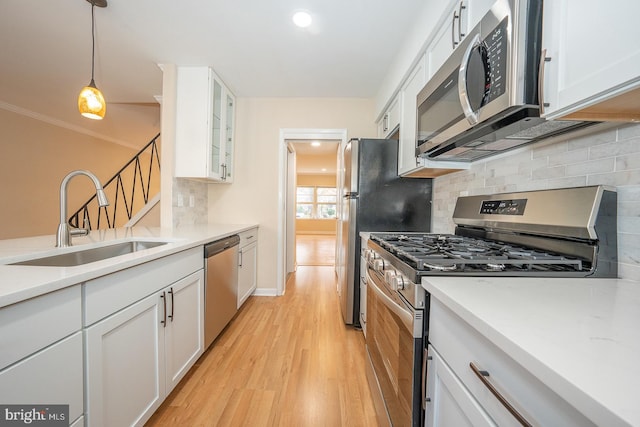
[93,40]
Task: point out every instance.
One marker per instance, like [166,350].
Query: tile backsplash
[185,193]
[608,156]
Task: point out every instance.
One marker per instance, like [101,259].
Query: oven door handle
[405,316]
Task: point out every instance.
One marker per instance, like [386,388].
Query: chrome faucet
[65,231]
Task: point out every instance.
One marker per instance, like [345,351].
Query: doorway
[298,159]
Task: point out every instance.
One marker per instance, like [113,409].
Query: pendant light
[91,103]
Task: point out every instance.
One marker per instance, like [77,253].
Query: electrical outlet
[180,201]
[192,200]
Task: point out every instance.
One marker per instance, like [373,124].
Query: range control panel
[503,207]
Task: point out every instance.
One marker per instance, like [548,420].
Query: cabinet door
[445,40]
[472,12]
[247,272]
[589,63]
[51,376]
[391,119]
[407,144]
[125,365]
[449,403]
[184,334]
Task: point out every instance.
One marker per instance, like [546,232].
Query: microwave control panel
[496,50]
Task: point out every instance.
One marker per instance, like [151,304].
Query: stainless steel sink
[85,256]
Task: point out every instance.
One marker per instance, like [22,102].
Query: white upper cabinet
[205,113]
[461,16]
[592,67]
[390,120]
[407,160]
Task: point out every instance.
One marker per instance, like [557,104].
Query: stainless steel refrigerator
[375,198]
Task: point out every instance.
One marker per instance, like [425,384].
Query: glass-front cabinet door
[227,170]
[215,169]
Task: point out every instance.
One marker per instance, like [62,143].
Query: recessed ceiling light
[315,144]
[302,19]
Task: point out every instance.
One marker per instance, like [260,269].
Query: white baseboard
[265,292]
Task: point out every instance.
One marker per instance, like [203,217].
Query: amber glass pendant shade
[91,103]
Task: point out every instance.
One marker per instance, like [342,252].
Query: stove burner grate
[447,253]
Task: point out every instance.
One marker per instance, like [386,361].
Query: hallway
[285,361]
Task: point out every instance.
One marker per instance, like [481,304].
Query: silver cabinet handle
[455,16]
[425,359]
[543,59]
[240,259]
[460,33]
[385,122]
[164,309]
[484,377]
[172,304]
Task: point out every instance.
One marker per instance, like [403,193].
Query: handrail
[117,191]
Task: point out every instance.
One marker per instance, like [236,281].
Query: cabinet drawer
[31,325]
[108,294]
[249,236]
[51,376]
[459,345]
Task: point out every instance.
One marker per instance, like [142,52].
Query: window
[316,202]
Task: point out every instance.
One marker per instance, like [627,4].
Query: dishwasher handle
[213,248]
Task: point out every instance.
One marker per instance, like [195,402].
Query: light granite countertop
[581,337]
[20,282]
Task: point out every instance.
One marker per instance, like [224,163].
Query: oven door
[395,345]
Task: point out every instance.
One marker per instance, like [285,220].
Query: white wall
[609,157]
[253,196]
[34,158]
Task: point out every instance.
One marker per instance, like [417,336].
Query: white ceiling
[316,160]
[252,45]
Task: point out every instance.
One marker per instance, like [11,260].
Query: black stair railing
[128,191]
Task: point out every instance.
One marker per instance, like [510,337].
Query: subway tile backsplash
[607,156]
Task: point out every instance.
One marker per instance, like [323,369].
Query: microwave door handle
[472,116]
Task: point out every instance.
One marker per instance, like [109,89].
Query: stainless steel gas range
[568,232]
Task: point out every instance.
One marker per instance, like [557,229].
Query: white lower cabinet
[136,356]
[51,376]
[41,351]
[450,403]
[247,265]
[456,390]
[184,334]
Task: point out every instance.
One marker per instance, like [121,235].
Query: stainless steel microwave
[484,98]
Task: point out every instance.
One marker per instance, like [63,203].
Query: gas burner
[440,267]
[494,267]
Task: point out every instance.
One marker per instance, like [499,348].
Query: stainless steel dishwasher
[221,286]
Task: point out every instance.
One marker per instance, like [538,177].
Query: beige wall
[254,195]
[316,226]
[34,158]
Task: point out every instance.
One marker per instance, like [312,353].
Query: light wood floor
[314,249]
[283,361]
